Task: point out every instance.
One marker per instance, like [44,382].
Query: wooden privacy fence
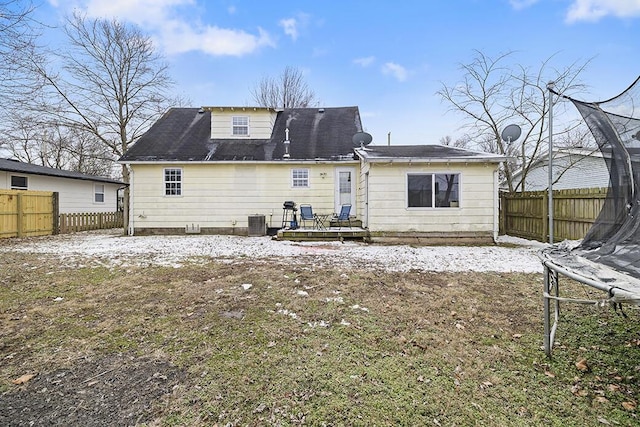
[70,223]
[32,213]
[27,213]
[574,211]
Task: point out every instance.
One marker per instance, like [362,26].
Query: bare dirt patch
[115,389]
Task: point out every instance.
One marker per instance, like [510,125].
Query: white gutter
[235,162]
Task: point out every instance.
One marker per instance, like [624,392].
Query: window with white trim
[98,193]
[300,178]
[240,126]
[173,182]
[18,182]
[427,190]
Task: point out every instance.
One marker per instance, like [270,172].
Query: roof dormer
[241,122]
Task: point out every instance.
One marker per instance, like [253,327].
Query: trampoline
[608,258]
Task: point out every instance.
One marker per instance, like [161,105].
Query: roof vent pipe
[286,154]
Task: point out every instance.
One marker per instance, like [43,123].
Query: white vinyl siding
[75,195]
[387,204]
[260,122]
[225,195]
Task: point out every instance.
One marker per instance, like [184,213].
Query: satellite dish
[636,136]
[362,139]
[511,133]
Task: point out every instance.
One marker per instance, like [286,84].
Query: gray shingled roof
[431,153]
[184,134]
[27,168]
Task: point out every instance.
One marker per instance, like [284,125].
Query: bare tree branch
[111,88]
[493,94]
[288,90]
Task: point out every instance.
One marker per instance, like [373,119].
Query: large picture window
[299,178]
[427,190]
[240,126]
[173,182]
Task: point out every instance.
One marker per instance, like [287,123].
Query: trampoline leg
[551,287]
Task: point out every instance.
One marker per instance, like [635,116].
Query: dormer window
[240,126]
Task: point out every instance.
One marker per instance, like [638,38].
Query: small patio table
[321,220]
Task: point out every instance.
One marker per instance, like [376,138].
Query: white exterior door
[345,192]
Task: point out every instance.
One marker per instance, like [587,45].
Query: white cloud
[593,10]
[161,19]
[290,26]
[294,25]
[396,70]
[365,61]
[180,37]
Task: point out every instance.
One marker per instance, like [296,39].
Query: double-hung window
[18,182]
[173,182]
[427,190]
[240,126]
[300,178]
[98,193]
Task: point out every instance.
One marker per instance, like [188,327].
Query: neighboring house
[212,168]
[572,168]
[77,192]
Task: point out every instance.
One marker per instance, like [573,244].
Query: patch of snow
[111,248]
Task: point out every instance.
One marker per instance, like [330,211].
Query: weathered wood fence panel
[70,223]
[574,211]
[27,213]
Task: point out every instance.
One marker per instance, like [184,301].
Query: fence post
[55,200]
[545,218]
[501,211]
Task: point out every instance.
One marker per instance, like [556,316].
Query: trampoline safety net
[614,238]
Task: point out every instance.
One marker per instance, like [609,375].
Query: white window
[98,193]
[426,190]
[299,178]
[240,126]
[18,182]
[173,182]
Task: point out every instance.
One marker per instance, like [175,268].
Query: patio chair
[306,214]
[345,211]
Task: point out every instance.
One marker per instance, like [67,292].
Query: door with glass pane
[345,189]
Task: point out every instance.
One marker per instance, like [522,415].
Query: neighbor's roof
[184,134]
[425,153]
[16,166]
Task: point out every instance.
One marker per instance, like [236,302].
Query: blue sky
[387,57]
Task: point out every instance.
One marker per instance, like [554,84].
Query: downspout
[496,207]
[131,217]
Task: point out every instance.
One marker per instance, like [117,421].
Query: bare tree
[288,90]
[18,35]
[113,85]
[494,94]
[17,41]
[462,142]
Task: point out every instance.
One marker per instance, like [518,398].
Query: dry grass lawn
[243,343]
